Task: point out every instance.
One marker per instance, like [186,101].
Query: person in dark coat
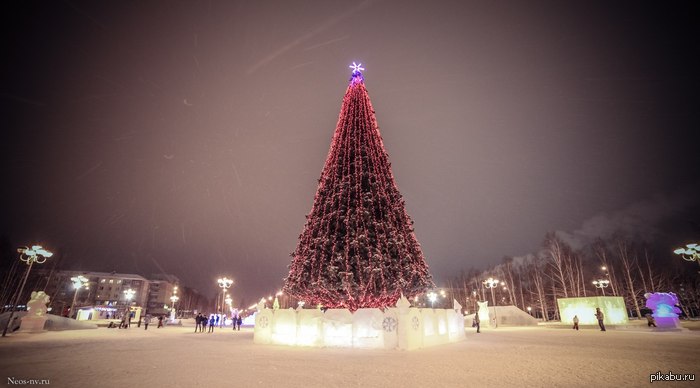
[650,320]
[600,316]
[211,324]
[477,322]
[198,322]
[160,321]
[239,322]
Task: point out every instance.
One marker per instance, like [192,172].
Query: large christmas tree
[358,248]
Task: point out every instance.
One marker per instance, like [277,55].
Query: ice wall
[402,327]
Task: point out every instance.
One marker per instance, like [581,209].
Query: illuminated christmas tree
[357,249]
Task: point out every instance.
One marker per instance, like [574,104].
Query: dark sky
[188,137]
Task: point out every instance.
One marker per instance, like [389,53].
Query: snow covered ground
[175,356]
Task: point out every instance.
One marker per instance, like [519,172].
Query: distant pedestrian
[211,324]
[239,321]
[600,316]
[650,320]
[477,322]
[198,322]
[160,322]
[205,320]
[139,324]
[146,321]
[217,321]
[575,322]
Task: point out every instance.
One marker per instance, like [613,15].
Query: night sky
[188,137]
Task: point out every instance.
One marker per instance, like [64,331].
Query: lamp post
[225,283]
[691,252]
[129,294]
[173,299]
[492,283]
[529,310]
[602,284]
[78,282]
[432,297]
[36,254]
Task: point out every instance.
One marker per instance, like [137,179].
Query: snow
[175,356]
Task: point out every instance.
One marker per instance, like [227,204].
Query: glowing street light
[37,254]
[225,283]
[173,299]
[691,252]
[432,297]
[602,284]
[492,283]
[78,283]
[129,294]
[529,310]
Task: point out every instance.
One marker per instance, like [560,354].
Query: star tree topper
[356,72]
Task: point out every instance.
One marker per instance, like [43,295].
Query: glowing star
[356,67]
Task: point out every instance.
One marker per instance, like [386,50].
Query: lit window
[111,281]
[103,280]
[119,281]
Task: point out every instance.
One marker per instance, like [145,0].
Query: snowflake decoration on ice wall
[415,323]
[263,322]
[389,324]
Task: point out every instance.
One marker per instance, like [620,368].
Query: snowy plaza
[175,356]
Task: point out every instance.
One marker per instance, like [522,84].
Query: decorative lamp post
[35,254]
[602,284]
[78,283]
[173,300]
[529,310]
[129,294]
[691,252]
[492,283]
[225,283]
[432,297]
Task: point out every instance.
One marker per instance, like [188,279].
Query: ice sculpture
[35,319]
[663,304]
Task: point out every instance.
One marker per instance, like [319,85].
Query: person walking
[239,321]
[146,321]
[575,322]
[204,323]
[600,316]
[477,322]
[160,322]
[198,322]
[650,320]
[211,324]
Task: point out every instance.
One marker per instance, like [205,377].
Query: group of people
[598,315]
[201,322]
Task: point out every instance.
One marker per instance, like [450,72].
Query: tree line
[627,268]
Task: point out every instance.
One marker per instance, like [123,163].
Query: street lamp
[173,299]
[602,284]
[432,297]
[129,294]
[492,283]
[691,252]
[78,282]
[225,283]
[36,254]
[529,310]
